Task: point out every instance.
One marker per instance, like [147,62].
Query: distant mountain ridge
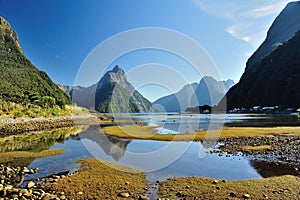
[272,80]
[208,92]
[18,76]
[113,93]
[82,96]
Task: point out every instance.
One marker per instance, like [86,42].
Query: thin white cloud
[58,56]
[250,20]
[265,10]
[248,32]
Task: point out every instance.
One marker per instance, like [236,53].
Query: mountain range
[19,78]
[272,73]
[207,92]
[271,77]
[113,93]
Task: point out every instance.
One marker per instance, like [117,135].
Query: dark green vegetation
[44,108]
[20,81]
[273,80]
[34,141]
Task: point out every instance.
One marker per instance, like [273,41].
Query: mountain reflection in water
[112,146]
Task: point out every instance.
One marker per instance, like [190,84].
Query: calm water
[159,160]
[176,124]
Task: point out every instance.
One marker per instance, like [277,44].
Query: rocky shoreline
[12,180]
[278,149]
[22,125]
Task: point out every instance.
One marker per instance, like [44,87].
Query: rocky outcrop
[4,25]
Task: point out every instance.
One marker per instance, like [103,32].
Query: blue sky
[57,35]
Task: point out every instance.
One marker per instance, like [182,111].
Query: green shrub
[47,102]
[18,114]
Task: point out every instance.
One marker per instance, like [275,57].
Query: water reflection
[112,146]
[33,142]
[269,169]
[267,120]
[183,123]
[157,155]
[28,146]
[161,160]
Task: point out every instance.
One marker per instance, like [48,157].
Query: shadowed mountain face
[274,82]
[283,28]
[18,75]
[82,96]
[113,93]
[211,91]
[207,92]
[274,79]
[178,101]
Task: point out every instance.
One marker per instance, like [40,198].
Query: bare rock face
[5,26]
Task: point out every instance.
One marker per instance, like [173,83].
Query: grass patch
[256,148]
[149,133]
[24,158]
[99,180]
[284,187]
[14,110]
